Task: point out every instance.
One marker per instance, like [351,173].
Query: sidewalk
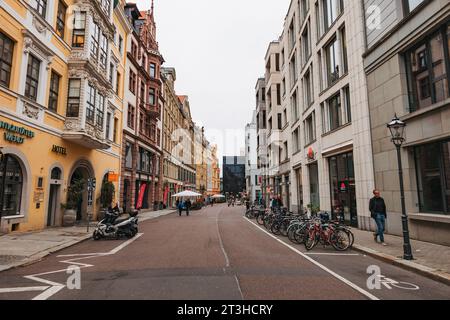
[18,249]
[431,260]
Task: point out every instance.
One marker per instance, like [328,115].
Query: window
[41,7]
[344,49]
[32,79]
[61,19]
[79,29]
[132,82]
[117,82]
[296,140]
[294,104]
[116,129]
[335,111]
[128,155]
[304,8]
[95,41]
[111,73]
[6,56]
[73,99]
[286,151]
[11,183]
[280,121]
[144,160]
[306,43]
[130,118]
[310,129]
[54,91]
[120,44]
[142,94]
[410,5]
[108,126]
[151,96]
[134,50]
[332,9]
[433,176]
[277,62]
[307,89]
[332,62]
[90,103]
[291,35]
[106,5]
[100,111]
[278,94]
[427,65]
[103,51]
[152,70]
[293,70]
[348,105]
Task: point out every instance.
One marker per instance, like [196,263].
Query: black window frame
[41,8]
[31,81]
[6,59]
[55,82]
[73,100]
[91,96]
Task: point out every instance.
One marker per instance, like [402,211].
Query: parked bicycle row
[305,229]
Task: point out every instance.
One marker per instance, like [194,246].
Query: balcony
[91,137]
[153,111]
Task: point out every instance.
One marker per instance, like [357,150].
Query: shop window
[11,184]
[433,177]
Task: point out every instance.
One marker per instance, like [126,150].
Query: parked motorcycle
[114,227]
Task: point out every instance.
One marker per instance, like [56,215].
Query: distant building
[234,174]
[252,173]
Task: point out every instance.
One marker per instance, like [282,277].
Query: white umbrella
[186,194]
[216,196]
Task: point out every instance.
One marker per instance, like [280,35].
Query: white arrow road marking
[22,289]
[55,287]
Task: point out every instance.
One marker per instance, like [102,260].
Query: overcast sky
[218,48]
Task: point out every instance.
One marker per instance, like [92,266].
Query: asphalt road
[214,254]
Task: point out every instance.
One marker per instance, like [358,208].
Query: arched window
[56,174]
[11,184]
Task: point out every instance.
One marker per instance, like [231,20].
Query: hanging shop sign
[14,133]
[59,150]
[311,155]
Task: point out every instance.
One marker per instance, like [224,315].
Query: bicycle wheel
[283,228]
[260,219]
[340,240]
[300,235]
[291,232]
[275,228]
[310,240]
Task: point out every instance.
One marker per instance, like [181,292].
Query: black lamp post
[397,129]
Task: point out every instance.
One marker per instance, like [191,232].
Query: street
[214,254]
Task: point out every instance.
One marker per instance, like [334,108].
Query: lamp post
[397,129]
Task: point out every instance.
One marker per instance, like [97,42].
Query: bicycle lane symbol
[376,280]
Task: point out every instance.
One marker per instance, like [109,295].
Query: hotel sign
[59,150]
[14,133]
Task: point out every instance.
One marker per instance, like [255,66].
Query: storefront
[343,191]
[40,171]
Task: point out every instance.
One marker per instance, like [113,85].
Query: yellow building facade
[61,92]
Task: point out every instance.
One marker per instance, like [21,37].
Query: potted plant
[313,209]
[74,198]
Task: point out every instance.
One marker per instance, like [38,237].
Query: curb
[428,272]
[40,255]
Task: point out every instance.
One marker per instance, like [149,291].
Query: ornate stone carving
[72,125]
[39,25]
[31,110]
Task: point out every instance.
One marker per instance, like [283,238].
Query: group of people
[187,204]
[276,202]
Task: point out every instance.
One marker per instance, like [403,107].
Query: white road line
[227,260]
[330,254]
[123,245]
[334,274]
[49,292]
[23,289]
[55,287]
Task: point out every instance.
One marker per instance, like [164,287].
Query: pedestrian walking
[188,206]
[377,209]
[180,207]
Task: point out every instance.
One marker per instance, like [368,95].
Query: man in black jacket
[377,209]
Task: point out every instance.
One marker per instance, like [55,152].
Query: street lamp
[397,129]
